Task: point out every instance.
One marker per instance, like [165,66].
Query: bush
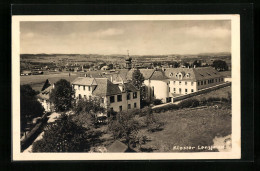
[145,111]
[189,103]
[213,99]
[157,101]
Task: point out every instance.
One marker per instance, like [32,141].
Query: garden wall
[206,90]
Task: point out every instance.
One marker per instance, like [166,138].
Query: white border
[236,110]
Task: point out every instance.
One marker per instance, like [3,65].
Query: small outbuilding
[118,147]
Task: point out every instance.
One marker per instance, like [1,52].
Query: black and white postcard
[126,87]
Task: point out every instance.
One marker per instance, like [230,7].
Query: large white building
[172,82]
[117,96]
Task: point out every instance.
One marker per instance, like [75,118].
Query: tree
[220,65]
[137,79]
[30,107]
[86,110]
[64,135]
[197,63]
[110,66]
[125,126]
[61,95]
[186,64]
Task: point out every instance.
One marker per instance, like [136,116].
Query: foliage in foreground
[30,107]
[125,126]
[64,136]
[61,95]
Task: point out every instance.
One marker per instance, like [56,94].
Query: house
[44,96]
[117,96]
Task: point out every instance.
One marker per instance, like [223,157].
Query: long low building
[113,96]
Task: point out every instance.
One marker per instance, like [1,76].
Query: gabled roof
[84,81]
[45,94]
[105,88]
[158,75]
[195,74]
[130,87]
[117,146]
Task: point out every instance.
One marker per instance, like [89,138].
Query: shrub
[145,111]
[213,99]
[157,101]
[189,103]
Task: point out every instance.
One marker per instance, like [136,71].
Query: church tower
[128,61]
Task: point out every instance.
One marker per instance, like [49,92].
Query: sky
[116,37]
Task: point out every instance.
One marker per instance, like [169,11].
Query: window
[174,90]
[180,90]
[192,90]
[129,106]
[198,83]
[221,79]
[212,80]
[88,88]
[83,87]
[201,82]
[80,96]
[216,80]
[79,87]
[135,95]
[112,99]
[169,89]
[128,96]
[152,91]
[208,81]
[120,108]
[205,82]
[119,98]
[134,105]
[186,90]
[179,82]
[192,83]
[185,83]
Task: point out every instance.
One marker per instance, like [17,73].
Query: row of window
[90,97]
[180,90]
[209,81]
[186,83]
[119,97]
[84,87]
[121,108]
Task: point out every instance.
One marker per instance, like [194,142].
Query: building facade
[117,96]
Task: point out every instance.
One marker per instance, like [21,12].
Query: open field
[37,81]
[189,128]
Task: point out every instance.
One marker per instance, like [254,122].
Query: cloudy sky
[116,37]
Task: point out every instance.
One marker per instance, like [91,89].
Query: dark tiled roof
[45,94]
[117,146]
[105,88]
[130,87]
[195,74]
[147,73]
[158,75]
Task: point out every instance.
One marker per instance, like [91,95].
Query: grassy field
[223,92]
[189,128]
